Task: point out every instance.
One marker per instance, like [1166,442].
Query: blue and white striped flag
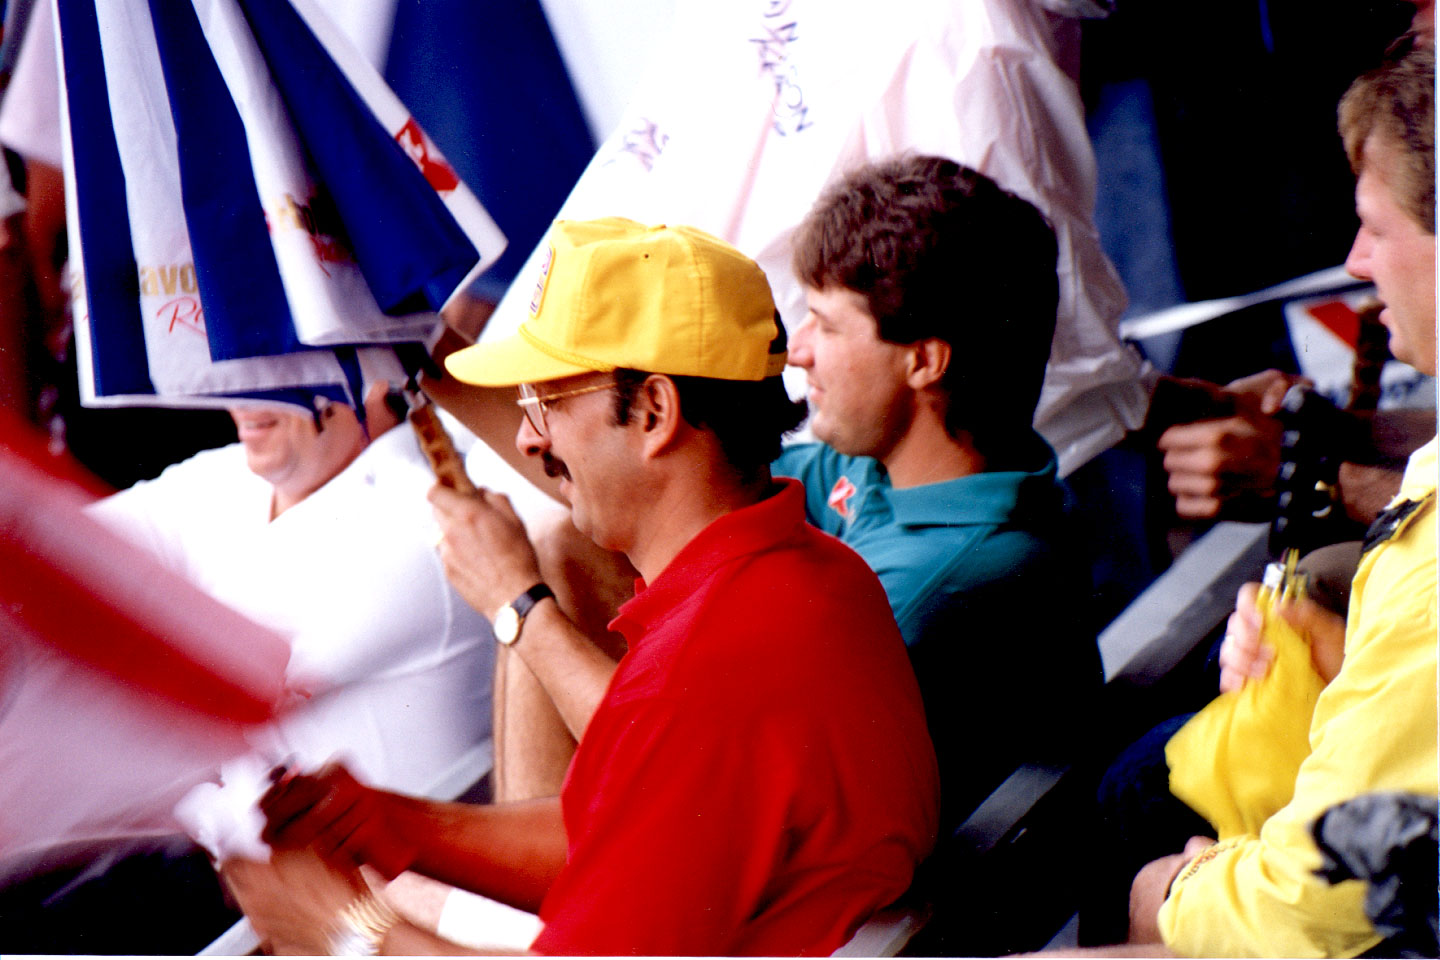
[248,203]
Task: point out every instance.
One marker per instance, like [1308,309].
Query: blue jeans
[1139,821]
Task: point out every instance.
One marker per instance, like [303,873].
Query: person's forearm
[1371,473]
[507,852]
[533,747]
[571,668]
[489,560]
[1177,400]
[1366,490]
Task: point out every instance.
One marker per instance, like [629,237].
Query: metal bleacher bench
[1164,624]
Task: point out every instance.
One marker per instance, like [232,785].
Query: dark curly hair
[939,250]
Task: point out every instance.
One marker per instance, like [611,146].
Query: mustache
[553,467]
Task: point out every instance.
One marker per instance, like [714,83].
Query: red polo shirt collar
[736,534]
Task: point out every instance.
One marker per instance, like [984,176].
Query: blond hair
[1394,105]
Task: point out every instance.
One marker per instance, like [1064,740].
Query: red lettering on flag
[184,312]
[436,171]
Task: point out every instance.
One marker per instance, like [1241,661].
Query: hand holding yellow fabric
[1235,762]
[1243,654]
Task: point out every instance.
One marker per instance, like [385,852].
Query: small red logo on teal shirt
[840,494]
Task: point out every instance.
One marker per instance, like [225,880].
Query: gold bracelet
[361,927]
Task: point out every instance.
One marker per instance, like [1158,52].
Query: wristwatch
[511,617]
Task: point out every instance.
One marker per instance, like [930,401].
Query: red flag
[121,684]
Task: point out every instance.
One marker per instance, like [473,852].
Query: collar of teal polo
[991,497]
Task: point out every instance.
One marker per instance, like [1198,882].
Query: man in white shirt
[312,528]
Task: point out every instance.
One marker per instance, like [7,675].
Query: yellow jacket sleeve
[1373,729]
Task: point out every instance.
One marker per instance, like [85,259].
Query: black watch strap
[524,603]
[510,619]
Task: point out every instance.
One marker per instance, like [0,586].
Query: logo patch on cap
[538,296]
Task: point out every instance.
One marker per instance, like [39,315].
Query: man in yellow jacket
[1373,727]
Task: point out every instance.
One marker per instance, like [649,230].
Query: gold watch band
[361,927]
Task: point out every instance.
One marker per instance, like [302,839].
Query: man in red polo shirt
[757,778]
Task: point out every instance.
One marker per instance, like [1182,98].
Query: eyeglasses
[535,405]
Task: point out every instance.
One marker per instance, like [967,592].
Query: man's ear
[929,359]
[657,410]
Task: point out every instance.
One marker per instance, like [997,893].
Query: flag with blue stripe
[249,204]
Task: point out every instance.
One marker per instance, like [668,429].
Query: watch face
[507,625]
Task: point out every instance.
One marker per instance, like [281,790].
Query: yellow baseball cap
[616,293]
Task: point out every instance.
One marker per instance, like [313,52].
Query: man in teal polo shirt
[931,299]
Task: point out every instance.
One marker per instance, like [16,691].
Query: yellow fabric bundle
[1235,762]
